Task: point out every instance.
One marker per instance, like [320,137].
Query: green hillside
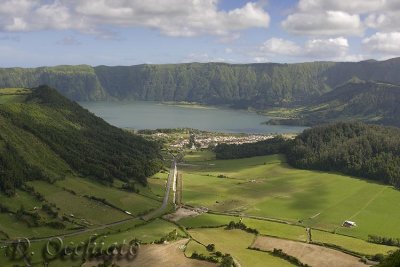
[44,136]
[373,102]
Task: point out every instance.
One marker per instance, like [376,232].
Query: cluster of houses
[206,140]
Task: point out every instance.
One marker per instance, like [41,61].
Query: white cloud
[228,50]
[260,59]
[388,20]
[21,7]
[203,58]
[384,43]
[352,6]
[170,17]
[314,49]
[336,48]
[330,23]
[280,46]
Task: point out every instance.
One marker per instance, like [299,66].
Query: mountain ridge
[257,85]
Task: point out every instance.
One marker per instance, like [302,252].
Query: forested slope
[358,149]
[46,136]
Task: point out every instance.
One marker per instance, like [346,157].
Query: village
[205,140]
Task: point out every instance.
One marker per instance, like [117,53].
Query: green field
[264,188]
[21,199]
[287,231]
[13,95]
[268,187]
[132,202]
[194,246]
[206,220]
[195,156]
[81,209]
[147,233]
[235,242]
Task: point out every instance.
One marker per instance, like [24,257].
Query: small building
[349,224]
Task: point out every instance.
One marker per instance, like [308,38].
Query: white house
[349,224]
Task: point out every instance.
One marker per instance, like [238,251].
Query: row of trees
[267,147]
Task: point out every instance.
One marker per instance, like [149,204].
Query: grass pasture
[14,228]
[147,233]
[196,156]
[132,202]
[268,187]
[83,209]
[288,231]
[13,95]
[21,199]
[207,220]
[236,243]
[193,246]
[157,183]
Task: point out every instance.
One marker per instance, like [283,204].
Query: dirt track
[166,255]
[312,255]
[180,214]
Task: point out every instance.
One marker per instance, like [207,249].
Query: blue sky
[127,32]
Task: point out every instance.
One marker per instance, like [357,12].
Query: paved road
[164,205]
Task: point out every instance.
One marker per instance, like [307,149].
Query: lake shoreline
[139,115]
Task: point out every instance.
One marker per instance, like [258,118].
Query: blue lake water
[150,115]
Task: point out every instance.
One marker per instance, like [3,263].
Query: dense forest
[353,148]
[268,147]
[358,149]
[47,135]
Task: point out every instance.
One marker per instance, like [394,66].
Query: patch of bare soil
[180,214]
[166,255]
[310,254]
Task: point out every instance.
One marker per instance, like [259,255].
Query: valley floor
[263,193]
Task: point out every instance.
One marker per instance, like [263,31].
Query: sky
[129,32]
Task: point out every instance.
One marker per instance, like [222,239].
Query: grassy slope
[131,202]
[278,191]
[82,208]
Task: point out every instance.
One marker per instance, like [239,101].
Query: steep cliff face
[75,82]
[255,85]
